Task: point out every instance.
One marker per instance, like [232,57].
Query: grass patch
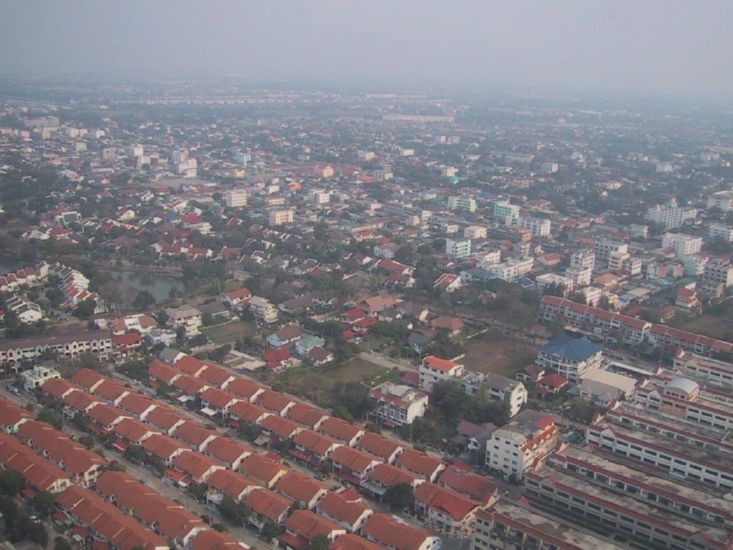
[499,354]
[709,325]
[318,384]
[227,333]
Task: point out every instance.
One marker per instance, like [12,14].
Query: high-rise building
[235,198]
[282,216]
[458,248]
[460,202]
[503,209]
[683,245]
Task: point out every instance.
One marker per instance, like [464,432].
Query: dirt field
[498,354]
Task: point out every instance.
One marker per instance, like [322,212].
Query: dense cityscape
[328,320]
[250,300]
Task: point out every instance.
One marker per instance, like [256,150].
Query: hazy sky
[668,47]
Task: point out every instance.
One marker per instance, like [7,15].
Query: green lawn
[227,333]
[710,325]
[499,354]
[319,383]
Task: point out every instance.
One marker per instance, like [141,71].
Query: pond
[132,282]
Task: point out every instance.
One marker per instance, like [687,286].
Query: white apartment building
[460,202]
[510,270]
[435,369]
[522,444]
[37,376]
[498,388]
[540,227]
[262,309]
[570,357]
[604,247]
[617,260]
[458,248]
[670,215]
[64,345]
[720,231]
[319,196]
[281,216]
[585,258]
[186,317]
[547,280]
[503,209]
[682,460]
[722,200]
[682,244]
[580,276]
[235,198]
[718,271]
[694,265]
[475,232]
[397,404]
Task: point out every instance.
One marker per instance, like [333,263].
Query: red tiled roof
[57,387]
[444,365]
[387,530]
[163,417]
[340,429]
[352,459]
[136,403]
[241,387]
[273,401]
[299,487]
[281,427]
[163,446]
[308,525]
[230,483]
[217,398]
[340,509]
[388,475]
[418,463]
[474,486]
[305,414]
[268,504]
[215,376]
[261,468]
[247,411]
[87,378]
[227,449]
[314,442]
[452,504]
[350,541]
[110,390]
[378,445]
[193,433]
[194,463]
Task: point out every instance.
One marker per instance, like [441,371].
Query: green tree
[11,482]
[399,497]
[60,543]
[235,512]
[270,531]
[319,542]
[143,300]
[44,503]
[135,454]
[50,416]
[85,308]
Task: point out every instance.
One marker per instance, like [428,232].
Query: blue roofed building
[570,357]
